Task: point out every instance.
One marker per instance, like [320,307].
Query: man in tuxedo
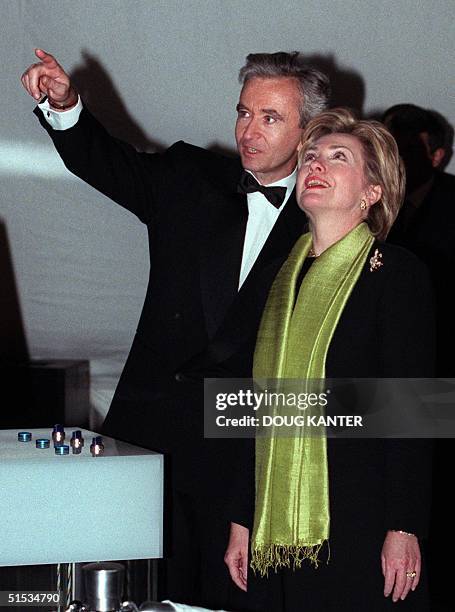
[218,228]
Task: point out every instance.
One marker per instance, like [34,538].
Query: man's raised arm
[111,166]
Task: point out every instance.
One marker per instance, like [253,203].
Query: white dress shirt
[262,215]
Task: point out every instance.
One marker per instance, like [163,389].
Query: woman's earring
[363,205]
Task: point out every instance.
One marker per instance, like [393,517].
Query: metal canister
[103,586]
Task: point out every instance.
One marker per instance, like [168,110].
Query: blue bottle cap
[24,436]
[62,449]
[59,427]
[76,434]
[98,440]
[43,443]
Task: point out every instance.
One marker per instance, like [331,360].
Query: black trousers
[196,528]
[197,476]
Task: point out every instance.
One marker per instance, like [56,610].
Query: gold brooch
[375,261]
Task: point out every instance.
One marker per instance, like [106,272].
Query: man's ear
[373,194]
[437,157]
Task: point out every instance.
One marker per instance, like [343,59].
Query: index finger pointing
[46,58]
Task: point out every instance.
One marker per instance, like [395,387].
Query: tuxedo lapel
[245,311]
[221,253]
[288,227]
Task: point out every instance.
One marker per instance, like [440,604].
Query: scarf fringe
[276,556]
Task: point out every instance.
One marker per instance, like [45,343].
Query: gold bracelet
[404,532]
[57,105]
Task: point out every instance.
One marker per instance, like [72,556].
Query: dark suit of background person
[426,226]
[426,223]
[196,221]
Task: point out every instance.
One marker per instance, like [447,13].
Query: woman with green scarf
[337,522]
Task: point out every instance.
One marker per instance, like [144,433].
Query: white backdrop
[158,71]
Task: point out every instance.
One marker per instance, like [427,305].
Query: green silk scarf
[292,518]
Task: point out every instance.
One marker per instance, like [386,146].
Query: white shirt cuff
[61,120]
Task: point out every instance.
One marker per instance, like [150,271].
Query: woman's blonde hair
[383,165]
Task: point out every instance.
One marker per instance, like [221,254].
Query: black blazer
[430,234]
[196,221]
[385,331]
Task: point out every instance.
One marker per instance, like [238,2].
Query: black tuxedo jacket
[430,234]
[196,221]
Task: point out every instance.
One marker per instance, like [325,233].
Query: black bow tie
[248,184]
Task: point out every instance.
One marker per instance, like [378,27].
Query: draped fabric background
[157,71]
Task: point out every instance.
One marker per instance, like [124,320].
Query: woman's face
[331,178]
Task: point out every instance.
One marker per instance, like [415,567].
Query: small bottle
[58,434]
[97,446]
[77,442]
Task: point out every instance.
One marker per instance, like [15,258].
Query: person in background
[426,223]
[426,226]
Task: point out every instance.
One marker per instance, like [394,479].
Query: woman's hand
[400,556]
[236,557]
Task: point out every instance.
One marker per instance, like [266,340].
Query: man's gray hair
[314,85]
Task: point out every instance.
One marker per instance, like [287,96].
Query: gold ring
[411,574]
